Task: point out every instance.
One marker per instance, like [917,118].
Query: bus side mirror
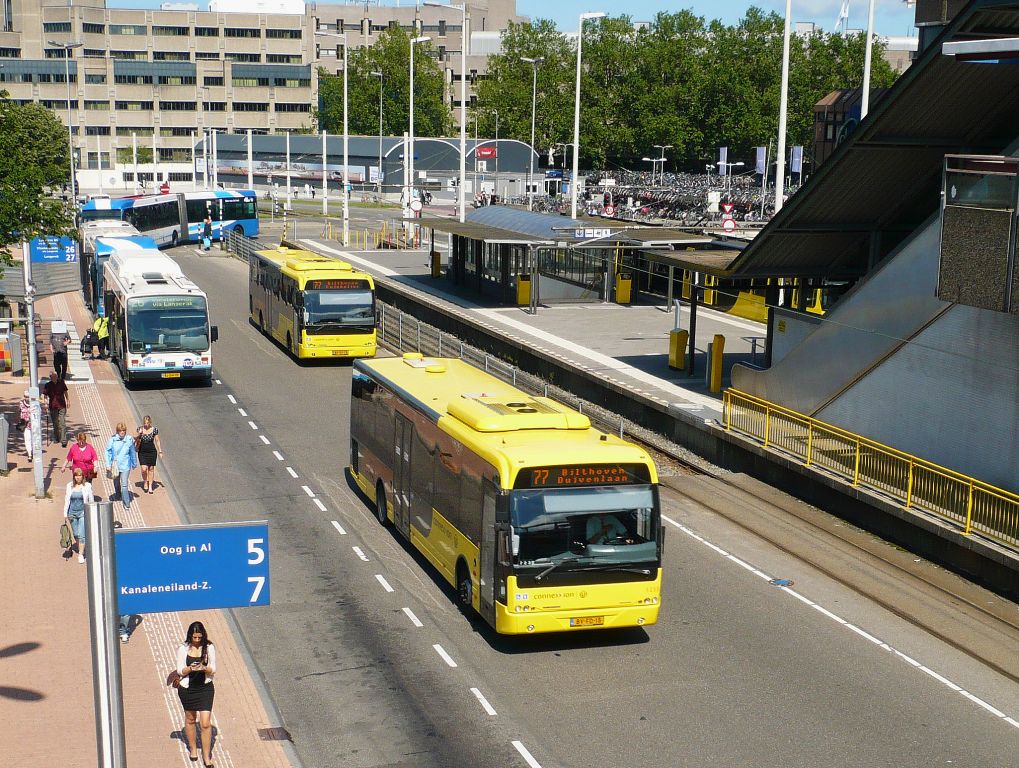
[215,333]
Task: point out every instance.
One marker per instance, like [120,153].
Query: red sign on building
[486,153]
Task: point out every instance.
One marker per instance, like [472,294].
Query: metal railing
[243,246]
[969,503]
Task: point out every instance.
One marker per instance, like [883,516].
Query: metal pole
[289,198]
[346,139]
[465,32]
[325,173]
[134,158]
[205,156]
[534,105]
[70,136]
[155,160]
[33,375]
[576,124]
[251,174]
[381,77]
[783,106]
[215,159]
[865,103]
[410,160]
[99,160]
[102,598]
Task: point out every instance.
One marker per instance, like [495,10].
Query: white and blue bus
[159,319]
[98,241]
[179,217]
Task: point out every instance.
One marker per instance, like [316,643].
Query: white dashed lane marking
[445,656]
[278,455]
[264,439]
[292,473]
[484,702]
[253,425]
[414,619]
[242,412]
[320,505]
[360,554]
[382,580]
[528,757]
[232,399]
[307,490]
[339,528]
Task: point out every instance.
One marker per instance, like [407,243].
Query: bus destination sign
[336,285]
[582,474]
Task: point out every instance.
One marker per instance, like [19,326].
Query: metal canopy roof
[716,261]
[476,231]
[885,180]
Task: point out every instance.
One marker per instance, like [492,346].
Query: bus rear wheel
[381,508]
[464,586]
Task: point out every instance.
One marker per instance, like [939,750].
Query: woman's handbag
[66,536]
[173,679]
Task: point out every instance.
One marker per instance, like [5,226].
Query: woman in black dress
[196,663]
[149,448]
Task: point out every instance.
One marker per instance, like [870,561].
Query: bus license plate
[340,353]
[172,375]
[587,621]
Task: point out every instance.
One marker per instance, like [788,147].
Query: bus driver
[603,529]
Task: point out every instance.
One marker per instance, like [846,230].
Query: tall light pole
[380,76]
[410,149]
[535,63]
[465,35]
[783,107]
[661,172]
[68,47]
[728,173]
[576,112]
[495,184]
[865,104]
[346,143]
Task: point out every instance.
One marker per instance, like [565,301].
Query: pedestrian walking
[56,395]
[77,494]
[25,414]
[121,458]
[149,448]
[196,665]
[101,328]
[58,346]
[207,233]
[82,455]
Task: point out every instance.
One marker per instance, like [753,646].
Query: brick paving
[46,699]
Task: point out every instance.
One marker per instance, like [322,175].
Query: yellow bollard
[677,349]
[717,355]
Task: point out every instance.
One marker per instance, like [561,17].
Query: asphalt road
[739,671]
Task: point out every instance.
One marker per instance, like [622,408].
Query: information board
[52,250]
[192,567]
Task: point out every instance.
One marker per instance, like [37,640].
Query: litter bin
[523,290]
[624,288]
[677,349]
[5,431]
[436,262]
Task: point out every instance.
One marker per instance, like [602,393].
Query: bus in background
[313,305]
[159,319]
[91,262]
[541,522]
[177,218]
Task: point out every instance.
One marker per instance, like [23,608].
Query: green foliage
[390,56]
[33,159]
[682,81]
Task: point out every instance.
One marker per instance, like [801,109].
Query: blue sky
[891,17]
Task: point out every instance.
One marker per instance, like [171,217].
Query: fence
[964,501]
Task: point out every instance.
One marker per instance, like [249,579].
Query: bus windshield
[167,324]
[337,311]
[101,214]
[582,528]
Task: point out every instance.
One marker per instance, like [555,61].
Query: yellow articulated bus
[541,522]
[313,305]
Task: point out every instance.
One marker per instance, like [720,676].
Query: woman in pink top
[82,456]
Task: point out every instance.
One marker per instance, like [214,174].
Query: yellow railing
[967,502]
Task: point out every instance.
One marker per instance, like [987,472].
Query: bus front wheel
[464,586]
[381,508]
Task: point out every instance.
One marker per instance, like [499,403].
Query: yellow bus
[315,306]
[541,522]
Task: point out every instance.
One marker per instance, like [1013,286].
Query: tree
[391,56]
[33,159]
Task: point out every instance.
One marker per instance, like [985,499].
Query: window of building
[128,29]
[134,106]
[56,53]
[58,103]
[99,78]
[283,58]
[177,80]
[139,130]
[177,106]
[250,106]
[206,56]
[442,28]
[206,31]
[93,160]
[285,107]
[241,32]
[90,28]
[159,31]
[171,56]
[214,106]
[10,53]
[94,53]
[96,104]
[56,26]
[180,176]
[132,79]
[174,154]
[214,81]
[283,82]
[129,55]
[44,77]
[97,130]
[442,53]
[249,82]
[248,58]
[283,34]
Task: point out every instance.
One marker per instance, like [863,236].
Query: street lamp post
[576,112]
[381,78]
[535,63]
[465,35]
[410,149]
[783,108]
[728,173]
[346,143]
[865,103]
[68,47]
[661,171]
[495,184]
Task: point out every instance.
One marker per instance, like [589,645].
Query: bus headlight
[530,627]
[640,620]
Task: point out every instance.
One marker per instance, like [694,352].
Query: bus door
[401,474]
[487,571]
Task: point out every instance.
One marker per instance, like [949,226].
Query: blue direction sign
[52,249]
[193,567]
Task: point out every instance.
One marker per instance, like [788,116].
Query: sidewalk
[46,697]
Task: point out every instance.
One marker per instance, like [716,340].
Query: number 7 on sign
[259,582]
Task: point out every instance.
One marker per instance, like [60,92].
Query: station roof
[884,181]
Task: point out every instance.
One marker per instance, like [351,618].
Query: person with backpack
[101,328]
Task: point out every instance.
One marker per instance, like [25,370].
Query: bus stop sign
[192,567]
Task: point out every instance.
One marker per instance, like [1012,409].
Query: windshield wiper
[553,566]
[610,567]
